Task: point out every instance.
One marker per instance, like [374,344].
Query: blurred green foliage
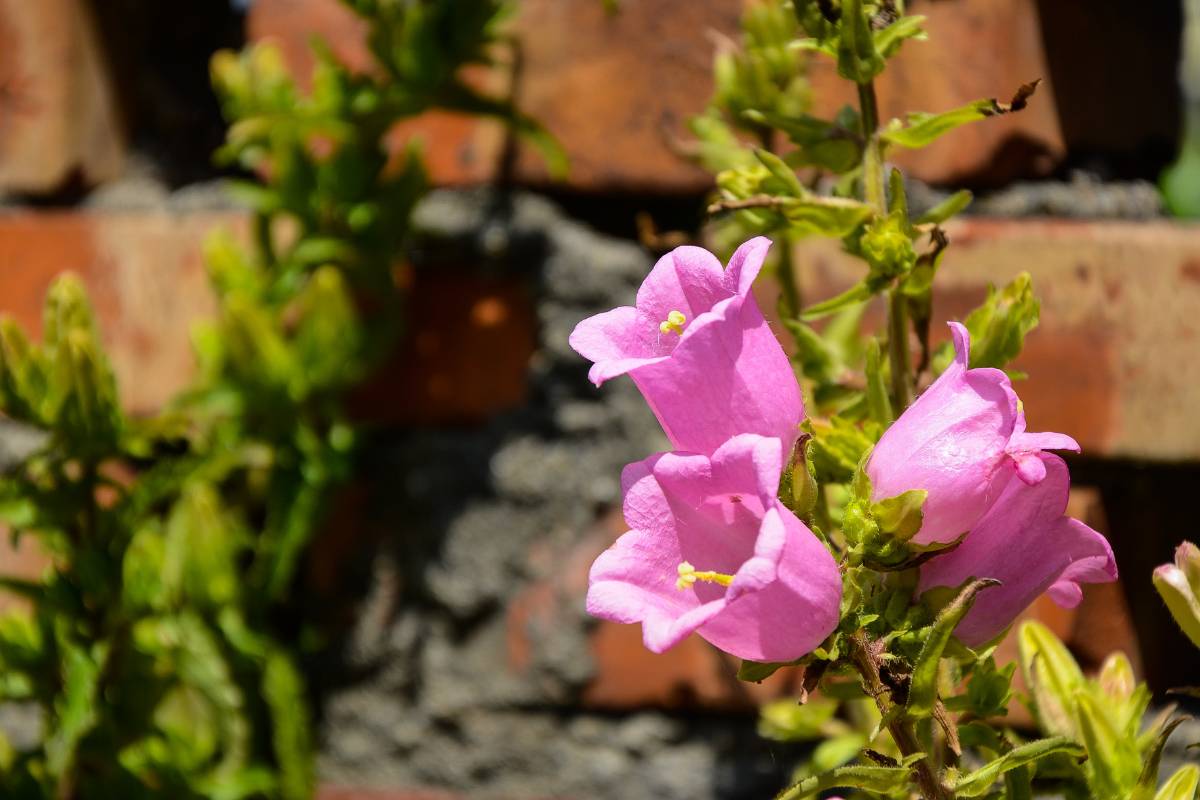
[157,644]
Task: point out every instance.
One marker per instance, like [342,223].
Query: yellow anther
[688,577]
[674,323]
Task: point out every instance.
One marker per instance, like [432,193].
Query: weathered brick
[58,111]
[1112,362]
[616,88]
[145,276]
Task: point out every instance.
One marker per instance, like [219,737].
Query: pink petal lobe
[1026,543]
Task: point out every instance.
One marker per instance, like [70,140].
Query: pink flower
[712,550]
[1025,542]
[961,441]
[699,350]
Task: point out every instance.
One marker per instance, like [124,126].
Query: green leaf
[1053,678]
[921,129]
[785,720]
[900,517]
[283,690]
[782,172]
[837,750]
[888,40]
[977,783]
[852,296]
[75,710]
[835,146]
[858,59]
[757,672]
[873,779]
[999,326]
[947,208]
[838,447]
[1182,785]
[1113,762]
[922,693]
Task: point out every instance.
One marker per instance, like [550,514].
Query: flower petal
[1026,543]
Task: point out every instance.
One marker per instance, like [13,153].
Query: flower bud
[1179,586]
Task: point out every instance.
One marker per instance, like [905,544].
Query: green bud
[1053,677]
[1179,595]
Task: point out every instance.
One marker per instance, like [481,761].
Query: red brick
[146,278]
[1113,361]
[58,110]
[616,88]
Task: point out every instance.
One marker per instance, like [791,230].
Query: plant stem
[872,168]
[897,321]
[874,194]
[900,727]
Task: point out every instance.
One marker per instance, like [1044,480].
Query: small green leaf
[283,690]
[947,208]
[888,40]
[900,517]
[977,783]
[872,779]
[921,129]
[785,720]
[922,693]
[782,172]
[756,672]
[855,294]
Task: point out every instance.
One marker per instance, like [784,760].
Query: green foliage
[1103,714]
[151,644]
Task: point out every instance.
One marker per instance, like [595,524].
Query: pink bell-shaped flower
[698,348]
[712,550]
[1025,542]
[961,441]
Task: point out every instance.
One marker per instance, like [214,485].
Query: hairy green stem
[900,727]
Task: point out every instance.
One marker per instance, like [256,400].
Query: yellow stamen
[688,577]
[674,323]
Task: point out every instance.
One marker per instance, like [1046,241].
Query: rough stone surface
[471,660]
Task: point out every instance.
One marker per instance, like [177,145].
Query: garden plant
[872,507]
[160,645]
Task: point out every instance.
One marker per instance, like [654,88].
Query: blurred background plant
[158,646]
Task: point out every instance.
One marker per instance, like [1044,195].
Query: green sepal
[1182,785]
[1053,678]
[923,690]
[977,783]
[1148,779]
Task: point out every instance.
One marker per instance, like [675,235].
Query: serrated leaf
[922,693]
[873,779]
[977,783]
